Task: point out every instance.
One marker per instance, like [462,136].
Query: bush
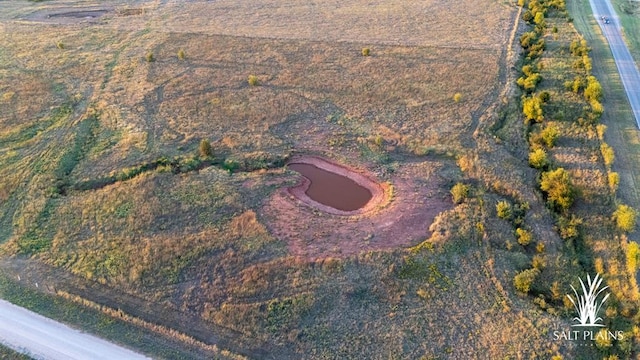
[602,340]
[205,148]
[366,51]
[181,54]
[457,97]
[550,134]
[529,83]
[532,109]
[544,96]
[459,192]
[60,45]
[524,279]
[253,80]
[633,255]
[625,217]
[149,57]
[557,185]
[593,91]
[568,228]
[538,159]
[503,208]
[538,262]
[524,236]
[614,180]
[607,154]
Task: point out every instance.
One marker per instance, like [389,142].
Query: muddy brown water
[331,189]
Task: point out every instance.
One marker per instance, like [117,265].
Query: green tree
[625,217]
[459,192]
[557,185]
[524,279]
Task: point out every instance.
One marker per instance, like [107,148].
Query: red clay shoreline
[299,191]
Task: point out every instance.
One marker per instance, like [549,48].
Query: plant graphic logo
[587,304]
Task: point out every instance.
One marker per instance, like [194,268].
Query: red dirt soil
[385,223]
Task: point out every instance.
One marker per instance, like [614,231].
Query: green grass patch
[26,133]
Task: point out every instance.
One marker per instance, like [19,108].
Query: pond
[331,189]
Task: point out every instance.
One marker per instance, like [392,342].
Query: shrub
[607,154]
[60,45]
[253,80]
[503,208]
[601,129]
[181,54]
[568,228]
[633,255]
[614,180]
[366,51]
[596,108]
[550,134]
[149,57]
[602,340]
[544,96]
[540,248]
[538,159]
[205,148]
[459,192]
[538,262]
[557,185]
[593,91]
[625,217]
[230,165]
[524,279]
[529,83]
[532,109]
[457,97]
[524,236]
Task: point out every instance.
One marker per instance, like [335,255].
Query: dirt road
[43,338]
[626,66]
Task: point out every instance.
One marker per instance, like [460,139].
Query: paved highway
[43,338]
[626,66]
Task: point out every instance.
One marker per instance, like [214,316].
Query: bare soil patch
[403,222]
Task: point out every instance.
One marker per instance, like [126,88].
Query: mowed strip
[43,338]
[629,73]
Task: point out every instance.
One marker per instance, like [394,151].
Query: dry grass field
[105,197]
